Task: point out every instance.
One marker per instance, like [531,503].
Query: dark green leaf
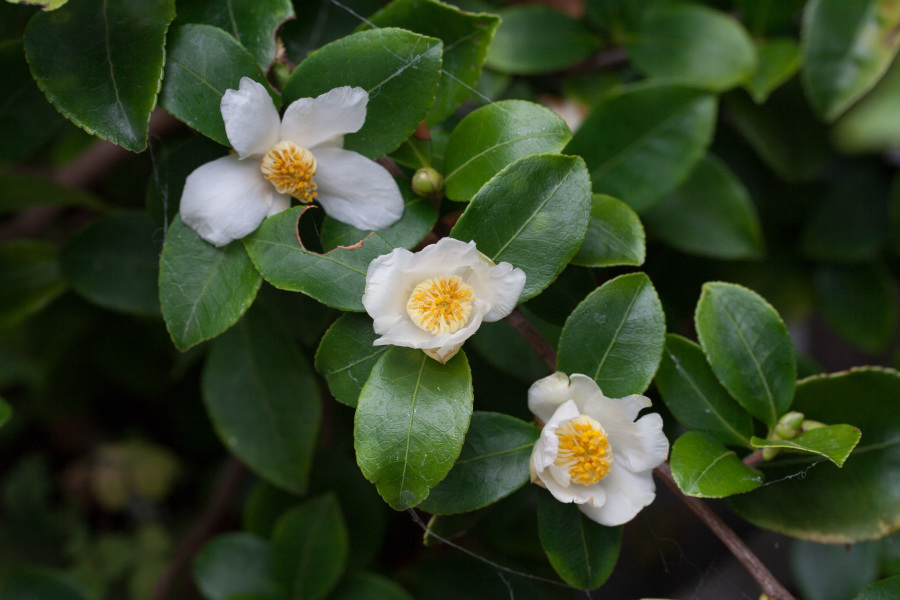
[319,22]
[310,547]
[18,192]
[886,589]
[419,217]
[336,278]
[264,401]
[203,290]
[693,44]
[649,128]
[465,36]
[40,583]
[615,235]
[346,356]
[399,69]
[873,124]
[505,349]
[809,497]
[535,39]
[847,46]
[765,16]
[859,302]
[581,551]
[204,62]
[449,527]
[114,262]
[252,22]
[703,467]
[6,412]
[493,463]
[748,347]
[29,279]
[236,563]
[26,119]
[710,214]
[361,585]
[263,507]
[411,420]
[533,214]
[696,398]
[100,64]
[618,18]
[834,442]
[492,137]
[830,572]
[171,166]
[616,336]
[779,60]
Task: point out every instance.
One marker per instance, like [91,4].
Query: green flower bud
[810,424]
[792,419]
[427,182]
[786,432]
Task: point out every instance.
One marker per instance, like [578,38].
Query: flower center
[441,305]
[583,450]
[290,169]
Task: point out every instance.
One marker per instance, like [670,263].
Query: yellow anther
[441,305]
[583,450]
[290,169]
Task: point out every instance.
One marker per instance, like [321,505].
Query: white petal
[547,394]
[251,121]
[280,202]
[386,295]
[626,494]
[500,286]
[639,446]
[312,122]
[226,199]
[356,190]
[560,492]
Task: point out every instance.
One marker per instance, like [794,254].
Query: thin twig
[735,544]
[533,337]
[203,528]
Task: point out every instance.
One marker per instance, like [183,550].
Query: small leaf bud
[792,419]
[427,182]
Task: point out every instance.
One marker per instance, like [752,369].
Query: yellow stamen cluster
[583,450]
[441,305]
[290,169]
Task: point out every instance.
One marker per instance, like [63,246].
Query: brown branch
[228,486]
[533,337]
[738,548]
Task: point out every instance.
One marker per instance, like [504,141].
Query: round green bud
[792,419]
[785,431]
[427,182]
[810,424]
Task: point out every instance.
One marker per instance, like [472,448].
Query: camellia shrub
[366,300]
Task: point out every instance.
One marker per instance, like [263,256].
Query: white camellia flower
[437,298]
[300,156]
[592,451]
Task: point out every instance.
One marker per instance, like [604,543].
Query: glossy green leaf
[534,39]
[29,279]
[581,551]
[810,498]
[251,22]
[399,69]
[886,589]
[171,166]
[361,585]
[692,44]
[831,572]
[203,290]
[859,302]
[466,37]
[693,394]
[834,442]
[748,347]
[100,64]
[778,61]
[233,564]
[533,214]
[710,214]
[495,135]
[263,506]
[6,412]
[783,131]
[419,217]
[18,192]
[493,464]
[411,420]
[336,278]
[310,547]
[847,46]
[703,467]
[653,128]
[29,582]
[319,22]
[618,18]
[26,118]
[204,62]
[346,356]
[616,336]
[114,262]
[765,16]
[263,400]
[873,123]
[615,235]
